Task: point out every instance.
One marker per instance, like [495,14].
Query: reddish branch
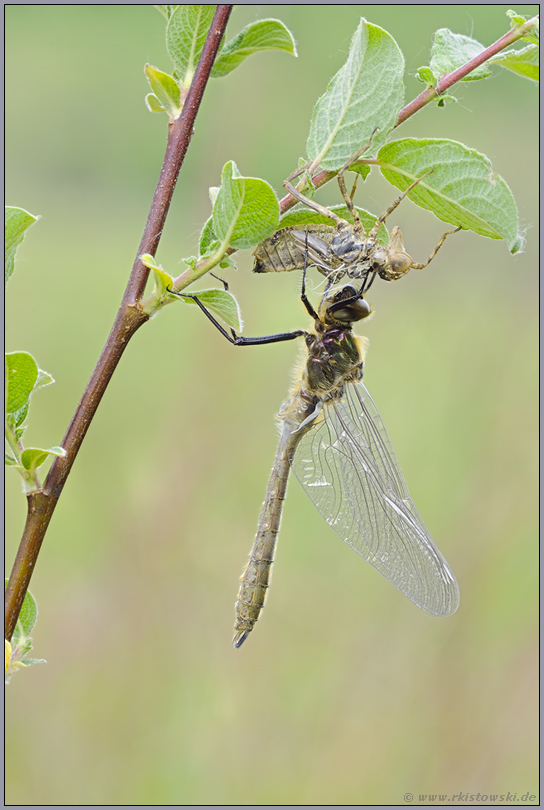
[451,78]
[431,93]
[41,504]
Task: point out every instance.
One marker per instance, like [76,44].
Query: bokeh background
[345,693]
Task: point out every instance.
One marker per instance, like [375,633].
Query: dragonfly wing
[319,251]
[348,467]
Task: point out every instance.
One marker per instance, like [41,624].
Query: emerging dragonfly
[343,249]
[333,438]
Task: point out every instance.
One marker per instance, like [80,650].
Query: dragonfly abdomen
[254,586]
[256,577]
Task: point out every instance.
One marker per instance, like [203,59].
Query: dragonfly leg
[298,195]
[235,339]
[303,297]
[354,187]
[368,281]
[348,198]
[222,280]
[441,241]
[358,154]
[375,228]
[226,288]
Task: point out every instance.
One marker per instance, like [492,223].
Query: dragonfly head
[344,306]
[392,262]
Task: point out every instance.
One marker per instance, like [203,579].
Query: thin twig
[41,503]
[424,98]
[450,79]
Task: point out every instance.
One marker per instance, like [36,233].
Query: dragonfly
[345,248]
[333,439]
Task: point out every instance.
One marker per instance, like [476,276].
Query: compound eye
[353,311]
[363,308]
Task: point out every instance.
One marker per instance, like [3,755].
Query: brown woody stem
[41,503]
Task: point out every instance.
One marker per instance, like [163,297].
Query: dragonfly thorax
[347,244]
[333,359]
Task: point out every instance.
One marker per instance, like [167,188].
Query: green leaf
[462,189]
[524,62]
[18,390]
[21,376]
[227,261]
[34,457]
[29,613]
[213,191]
[362,170]
[19,416]
[166,10]
[222,302]
[9,461]
[366,92]
[444,99]
[262,35]
[16,657]
[191,261]
[28,662]
[44,378]
[163,281]
[17,222]
[515,19]
[19,433]
[163,10]
[533,35]
[450,51]
[186,33]
[424,74]
[305,216]
[153,104]
[165,89]
[246,210]
[208,238]
[210,244]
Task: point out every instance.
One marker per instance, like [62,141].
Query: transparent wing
[319,251]
[348,468]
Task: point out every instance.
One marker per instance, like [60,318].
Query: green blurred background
[345,693]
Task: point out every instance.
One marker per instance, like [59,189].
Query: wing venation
[349,469]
